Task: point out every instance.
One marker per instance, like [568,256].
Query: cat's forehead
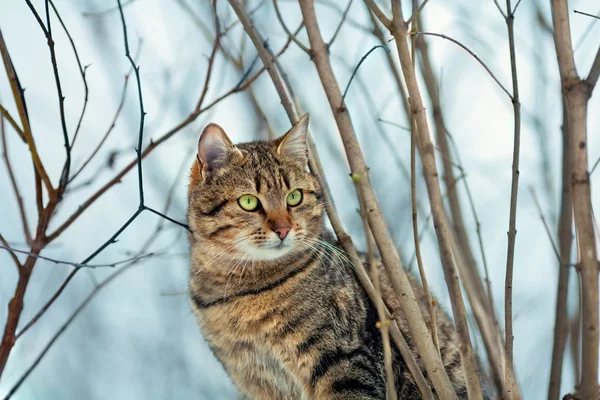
[260,155]
[267,171]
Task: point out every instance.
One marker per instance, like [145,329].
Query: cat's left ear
[294,144]
[214,148]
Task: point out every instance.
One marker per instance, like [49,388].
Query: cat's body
[279,306]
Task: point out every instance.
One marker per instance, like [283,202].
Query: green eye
[294,198]
[248,202]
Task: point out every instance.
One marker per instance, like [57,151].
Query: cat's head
[254,201]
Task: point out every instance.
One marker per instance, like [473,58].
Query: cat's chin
[268,253]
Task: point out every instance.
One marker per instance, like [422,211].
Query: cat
[277,302]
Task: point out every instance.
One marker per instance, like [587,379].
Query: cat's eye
[294,198]
[248,202]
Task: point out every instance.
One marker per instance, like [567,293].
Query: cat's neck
[223,279]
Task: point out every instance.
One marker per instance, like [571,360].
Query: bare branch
[576,92]
[74,264]
[415,225]
[384,322]
[13,182]
[489,71]
[500,9]
[287,30]
[417,12]
[509,378]
[107,133]
[592,78]
[359,171]
[339,27]
[595,165]
[543,218]
[64,179]
[385,21]
[586,14]
[481,302]
[358,66]
[17,92]
[6,115]
[82,71]
[439,216]
[11,251]
[211,60]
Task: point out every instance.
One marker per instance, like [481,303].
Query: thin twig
[586,14]
[339,27]
[509,378]
[11,251]
[13,182]
[594,73]
[287,30]
[465,48]
[415,225]
[565,242]
[363,58]
[61,99]
[543,218]
[595,165]
[417,12]
[107,133]
[385,21]
[82,71]
[6,115]
[211,61]
[500,9]
[74,264]
[17,92]
[66,324]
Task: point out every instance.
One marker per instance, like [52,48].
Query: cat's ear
[214,148]
[294,144]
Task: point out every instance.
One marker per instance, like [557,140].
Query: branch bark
[481,302]
[400,32]
[377,223]
[565,238]
[577,93]
[509,378]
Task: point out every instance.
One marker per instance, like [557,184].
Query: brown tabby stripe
[220,230]
[215,210]
[222,300]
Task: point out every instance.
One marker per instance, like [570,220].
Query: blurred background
[137,337]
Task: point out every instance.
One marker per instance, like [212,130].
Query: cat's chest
[251,318]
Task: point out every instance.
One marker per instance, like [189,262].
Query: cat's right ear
[214,149]
[294,144]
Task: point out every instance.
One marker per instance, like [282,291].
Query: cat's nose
[282,231]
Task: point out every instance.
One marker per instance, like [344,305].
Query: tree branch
[377,223]
[287,30]
[576,92]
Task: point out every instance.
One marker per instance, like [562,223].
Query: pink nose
[282,231]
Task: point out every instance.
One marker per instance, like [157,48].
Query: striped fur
[297,326]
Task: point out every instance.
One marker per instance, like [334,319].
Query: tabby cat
[277,302]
